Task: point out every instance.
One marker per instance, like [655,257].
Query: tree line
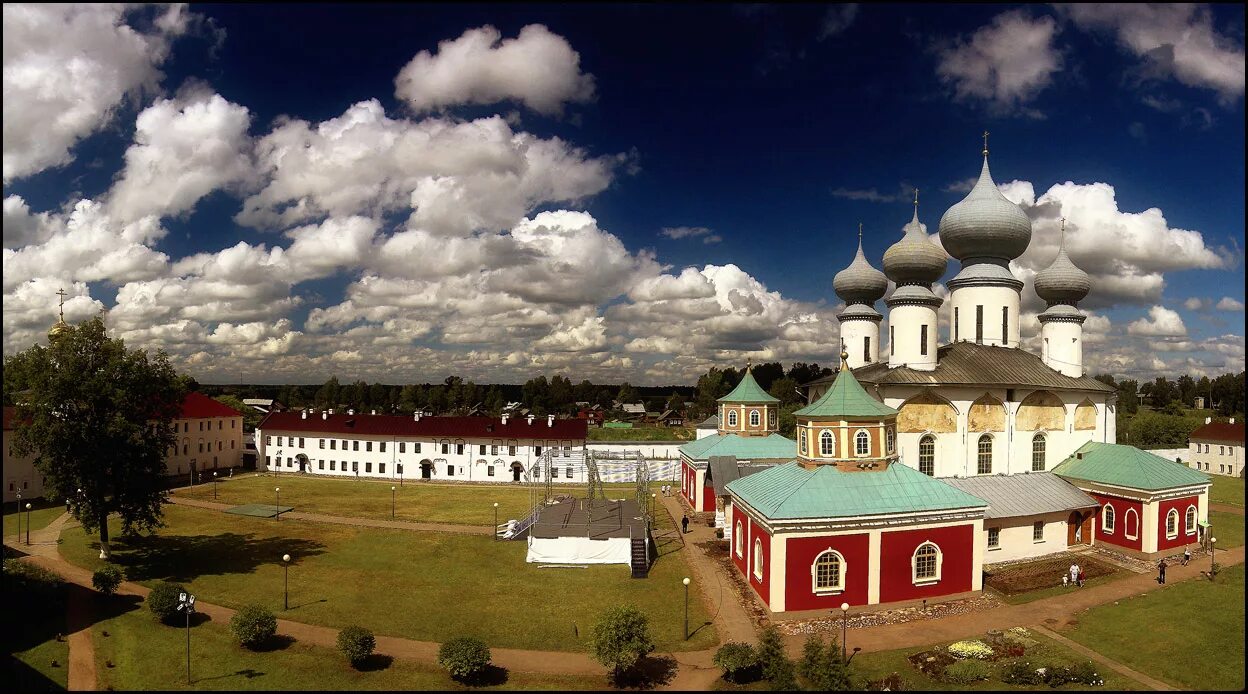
[1168,420]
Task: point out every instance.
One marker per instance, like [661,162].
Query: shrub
[1022,673]
[30,591]
[107,579]
[253,626]
[1085,673]
[719,533]
[1056,675]
[771,657]
[621,637]
[822,666]
[970,649]
[464,658]
[967,671]
[739,661]
[356,643]
[163,601]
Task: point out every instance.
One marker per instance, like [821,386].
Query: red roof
[1220,431]
[197,405]
[392,425]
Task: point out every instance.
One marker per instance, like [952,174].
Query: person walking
[1074,573]
[1187,554]
[684,524]
[1161,572]
[1081,577]
[1065,580]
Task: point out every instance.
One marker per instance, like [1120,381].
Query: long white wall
[1017,541]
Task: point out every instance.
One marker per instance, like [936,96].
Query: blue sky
[612,192]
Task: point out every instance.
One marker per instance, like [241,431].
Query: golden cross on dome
[916,198]
[860,232]
[61,293]
[1063,238]
[985,143]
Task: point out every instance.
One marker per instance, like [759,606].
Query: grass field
[38,659]
[641,434]
[414,501]
[41,514]
[1227,490]
[149,656]
[866,667]
[426,586]
[1190,634]
[1228,529]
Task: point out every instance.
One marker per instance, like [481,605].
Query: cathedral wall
[987,414]
[926,412]
[1085,416]
[962,304]
[862,341]
[1041,410]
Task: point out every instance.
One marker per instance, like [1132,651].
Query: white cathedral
[979,404]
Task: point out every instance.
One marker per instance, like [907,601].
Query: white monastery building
[460,449]
[1218,448]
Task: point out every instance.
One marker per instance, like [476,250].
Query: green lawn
[866,667]
[1189,634]
[149,656]
[414,501]
[641,434]
[1228,529]
[1031,596]
[427,586]
[41,514]
[1227,490]
[40,657]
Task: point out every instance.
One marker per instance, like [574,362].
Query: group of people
[1075,577]
[667,489]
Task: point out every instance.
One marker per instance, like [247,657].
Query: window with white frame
[890,439]
[1107,520]
[1037,531]
[755,419]
[1132,523]
[927,455]
[738,540]
[771,418]
[1190,526]
[801,439]
[926,563]
[1037,453]
[994,538]
[985,455]
[827,573]
[1172,524]
[758,559]
[827,444]
[732,418]
[862,443]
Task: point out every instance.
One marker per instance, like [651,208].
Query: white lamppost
[496,521]
[286,587]
[685,581]
[186,604]
[1212,541]
[278,491]
[844,628]
[392,488]
[19,514]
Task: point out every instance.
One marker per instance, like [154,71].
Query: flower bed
[1045,573]
[970,649]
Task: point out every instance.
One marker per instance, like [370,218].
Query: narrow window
[355,445]
[459,449]
[994,538]
[333,465]
[1005,325]
[402,447]
[755,419]
[446,448]
[827,444]
[862,443]
[985,455]
[416,447]
[758,559]
[1172,524]
[771,418]
[979,325]
[1190,527]
[955,323]
[923,340]
[1107,520]
[368,446]
[494,449]
[333,444]
[320,465]
[481,449]
[1037,531]
[801,438]
[490,471]
[1037,453]
[511,450]
[892,340]
[322,443]
[381,468]
[927,455]
[890,438]
[738,541]
[866,349]
[450,470]
[301,442]
[569,474]
[368,467]
[383,446]
[1132,531]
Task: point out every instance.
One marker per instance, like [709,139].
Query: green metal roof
[773,447]
[792,492]
[748,390]
[847,399]
[1127,466]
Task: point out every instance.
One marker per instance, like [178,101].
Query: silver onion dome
[1062,282]
[860,283]
[985,224]
[914,259]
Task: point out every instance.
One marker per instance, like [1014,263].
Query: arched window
[1172,524]
[801,439]
[1190,527]
[927,455]
[755,419]
[1107,520]
[758,559]
[827,573]
[1037,453]
[985,455]
[862,443]
[732,418]
[1132,529]
[890,439]
[827,444]
[771,418]
[738,541]
[926,562]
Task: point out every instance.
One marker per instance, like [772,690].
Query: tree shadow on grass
[183,558]
[648,673]
[491,676]
[246,674]
[374,663]
[276,642]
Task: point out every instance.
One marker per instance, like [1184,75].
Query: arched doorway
[516,470]
[426,469]
[303,462]
[1079,529]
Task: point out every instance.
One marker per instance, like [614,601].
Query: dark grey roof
[723,469]
[968,363]
[711,422]
[1030,494]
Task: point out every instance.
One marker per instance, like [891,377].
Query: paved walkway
[1114,665]
[348,520]
[1227,508]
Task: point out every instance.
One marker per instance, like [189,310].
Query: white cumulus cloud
[1004,64]
[1161,321]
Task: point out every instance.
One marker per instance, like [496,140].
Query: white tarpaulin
[579,550]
